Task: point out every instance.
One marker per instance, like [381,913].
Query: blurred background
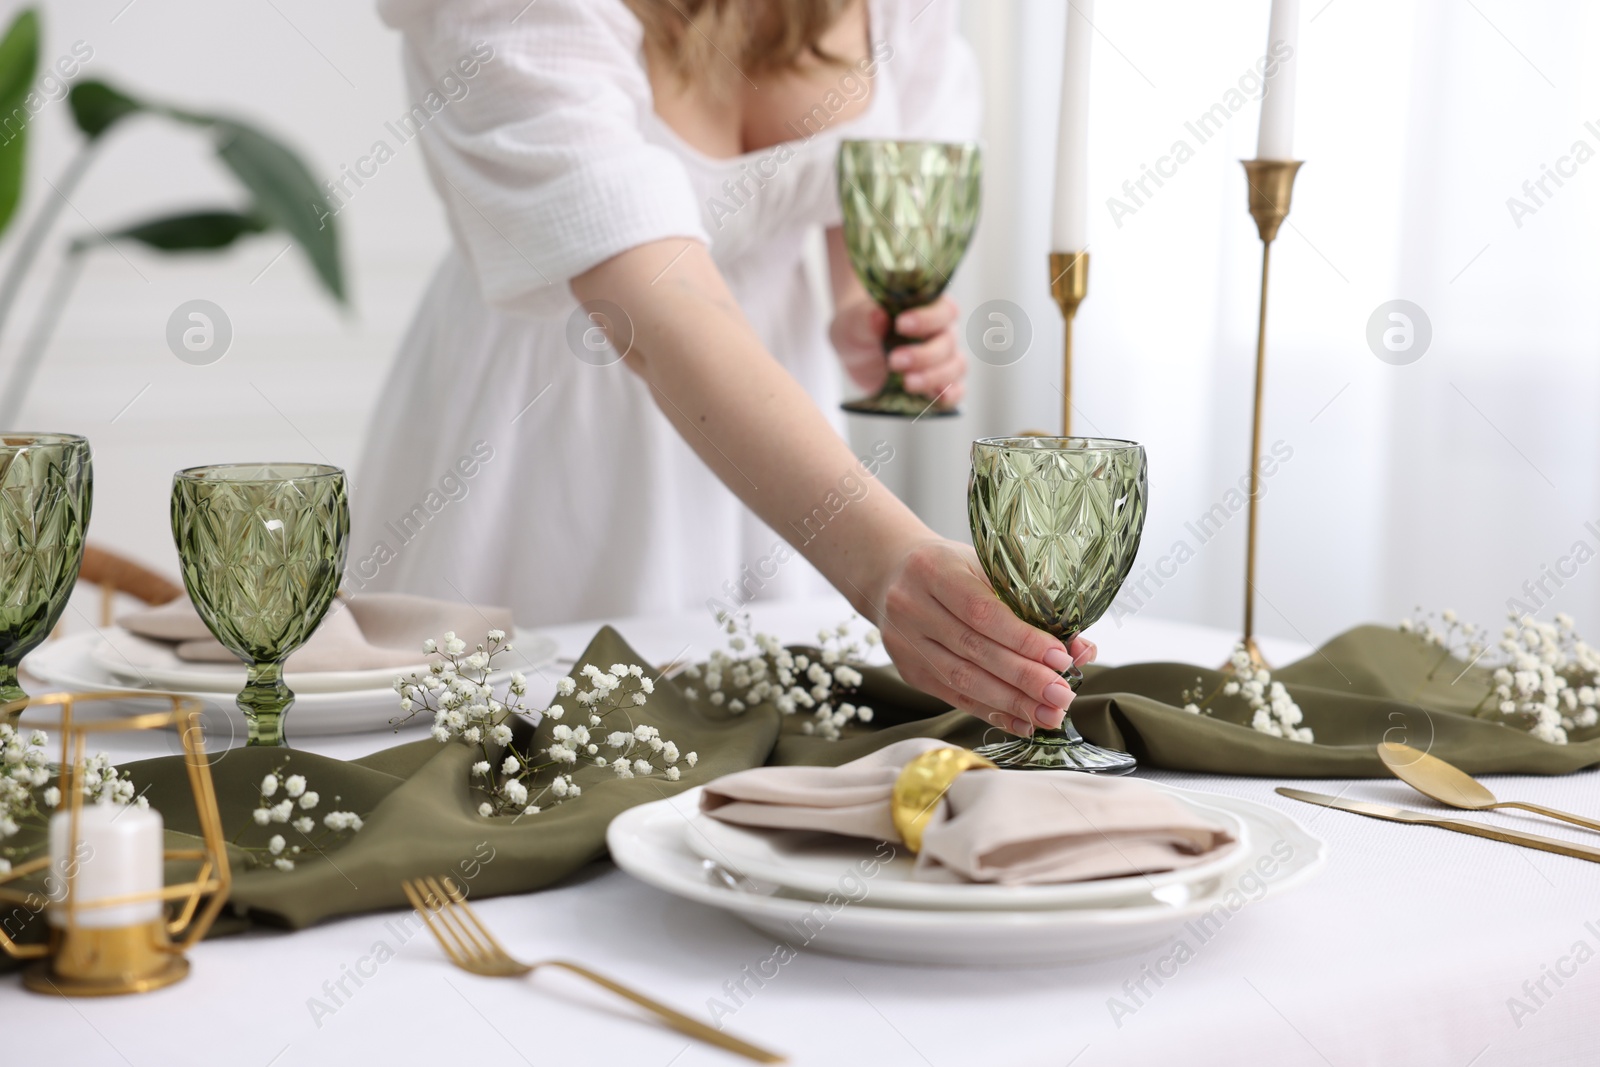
[1461,478]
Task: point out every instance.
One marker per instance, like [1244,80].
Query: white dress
[501,467]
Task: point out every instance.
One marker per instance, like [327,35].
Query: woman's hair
[698,38]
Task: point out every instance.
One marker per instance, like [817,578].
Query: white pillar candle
[1069,231]
[119,852]
[1275,139]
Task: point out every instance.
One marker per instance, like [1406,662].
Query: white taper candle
[1275,139]
[1069,231]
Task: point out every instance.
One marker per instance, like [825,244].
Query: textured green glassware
[909,211]
[46,489]
[1056,523]
[262,547]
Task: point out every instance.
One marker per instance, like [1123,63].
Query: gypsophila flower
[1540,677]
[27,794]
[790,682]
[275,851]
[460,695]
[1272,710]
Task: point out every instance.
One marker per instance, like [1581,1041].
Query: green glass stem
[892,398]
[9,691]
[265,700]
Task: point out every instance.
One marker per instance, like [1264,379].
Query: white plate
[648,843]
[69,664]
[144,664]
[810,864]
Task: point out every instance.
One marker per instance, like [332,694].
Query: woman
[645,172]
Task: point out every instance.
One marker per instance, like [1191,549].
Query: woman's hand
[952,637]
[934,367]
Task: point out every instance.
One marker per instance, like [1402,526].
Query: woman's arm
[764,437]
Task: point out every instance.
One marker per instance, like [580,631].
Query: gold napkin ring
[921,783]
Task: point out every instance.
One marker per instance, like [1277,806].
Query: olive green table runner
[421,812]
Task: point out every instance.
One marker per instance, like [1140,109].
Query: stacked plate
[857,898]
[326,702]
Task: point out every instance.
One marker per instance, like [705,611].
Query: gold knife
[1460,826]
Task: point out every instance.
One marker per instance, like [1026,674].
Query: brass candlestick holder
[1271,183]
[85,959]
[1069,284]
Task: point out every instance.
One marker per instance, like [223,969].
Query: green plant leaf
[191,231]
[19,61]
[19,55]
[285,194]
[97,107]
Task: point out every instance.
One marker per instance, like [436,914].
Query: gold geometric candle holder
[85,957]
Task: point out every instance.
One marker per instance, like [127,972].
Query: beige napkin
[1010,827]
[365,632]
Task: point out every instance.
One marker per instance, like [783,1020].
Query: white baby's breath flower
[486,809]
[269,785]
[294,785]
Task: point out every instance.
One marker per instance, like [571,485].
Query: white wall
[1446,482]
[302,377]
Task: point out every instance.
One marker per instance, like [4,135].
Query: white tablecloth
[1414,947]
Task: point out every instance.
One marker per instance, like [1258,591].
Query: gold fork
[471,946]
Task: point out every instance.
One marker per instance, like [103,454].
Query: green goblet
[46,488]
[262,547]
[909,211]
[1056,524]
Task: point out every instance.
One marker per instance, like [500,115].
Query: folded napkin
[364,632]
[1009,827]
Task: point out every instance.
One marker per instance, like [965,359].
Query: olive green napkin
[421,813]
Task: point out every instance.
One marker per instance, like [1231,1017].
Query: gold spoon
[1433,777]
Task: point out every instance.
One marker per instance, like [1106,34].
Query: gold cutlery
[1460,826]
[1433,777]
[471,946]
